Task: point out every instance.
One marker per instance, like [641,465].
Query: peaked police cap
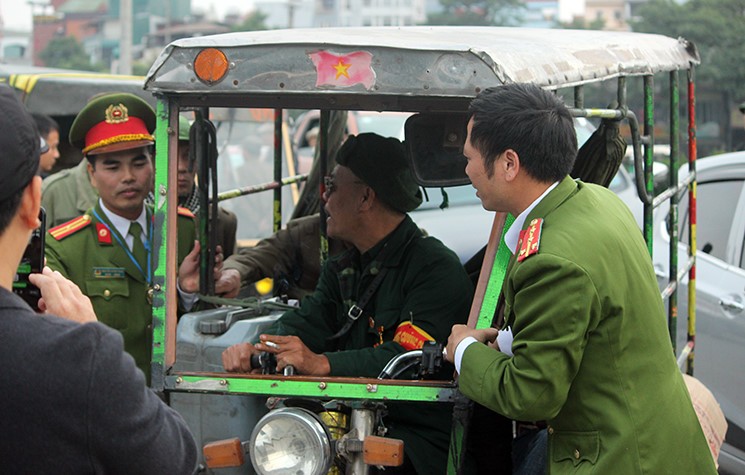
[113,122]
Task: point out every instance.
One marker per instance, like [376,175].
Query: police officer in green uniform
[584,342]
[107,251]
[419,289]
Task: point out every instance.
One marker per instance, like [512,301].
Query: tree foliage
[578,23]
[478,13]
[67,53]
[717,27]
[254,21]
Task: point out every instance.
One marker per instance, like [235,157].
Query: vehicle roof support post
[323,146]
[579,97]
[648,156]
[621,92]
[277,208]
[692,155]
[672,303]
[204,137]
[164,257]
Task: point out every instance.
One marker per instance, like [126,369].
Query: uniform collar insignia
[531,240]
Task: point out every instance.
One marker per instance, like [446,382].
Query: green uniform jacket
[117,289]
[67,194]
[425,283]
[592,353]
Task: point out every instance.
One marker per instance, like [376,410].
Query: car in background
[720,289]
[387,124]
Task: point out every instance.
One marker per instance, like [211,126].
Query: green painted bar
[159,249]
[494,287]
[319,389]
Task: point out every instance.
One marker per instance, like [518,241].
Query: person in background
[188,195]
[73,400]
[583,342]
[49,131]
[291,257]
[68,194]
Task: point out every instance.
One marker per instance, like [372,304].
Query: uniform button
[107,293]
[576,454]
[550,430]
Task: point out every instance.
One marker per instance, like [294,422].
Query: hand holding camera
[62,297]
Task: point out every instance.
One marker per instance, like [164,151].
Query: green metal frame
[166,380]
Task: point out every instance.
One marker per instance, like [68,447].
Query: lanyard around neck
[120,240]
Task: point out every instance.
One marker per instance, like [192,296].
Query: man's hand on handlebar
[237,358]
[291,351]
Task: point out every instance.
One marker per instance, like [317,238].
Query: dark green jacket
[117,289]
[425,283]
[592,353]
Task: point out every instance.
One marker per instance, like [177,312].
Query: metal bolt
[223,382]
[372,388]
[179,380]
[322,386]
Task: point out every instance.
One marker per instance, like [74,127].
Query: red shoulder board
[531,240]
[410,336]
[185,212]
[65,229]
[103,233]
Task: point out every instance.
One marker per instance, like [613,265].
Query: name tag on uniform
[108,272]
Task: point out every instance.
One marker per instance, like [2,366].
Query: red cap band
[105,133]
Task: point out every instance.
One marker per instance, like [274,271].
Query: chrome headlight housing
[290,441]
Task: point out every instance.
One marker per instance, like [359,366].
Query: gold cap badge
[116,114]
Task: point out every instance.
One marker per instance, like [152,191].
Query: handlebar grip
[255,361]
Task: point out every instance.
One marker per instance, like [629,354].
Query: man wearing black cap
[402,287]
[60,412]
[107,251]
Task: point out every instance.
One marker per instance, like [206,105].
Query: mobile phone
[31,263]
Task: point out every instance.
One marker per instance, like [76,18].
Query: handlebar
[429,358]
[267,362]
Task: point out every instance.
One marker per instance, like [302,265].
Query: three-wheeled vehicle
[432,73]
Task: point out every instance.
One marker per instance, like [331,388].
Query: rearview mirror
[434,143]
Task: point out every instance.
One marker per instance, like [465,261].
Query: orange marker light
[211,65]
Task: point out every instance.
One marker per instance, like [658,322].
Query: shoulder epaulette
[531,240]
[185,212]
[65,229]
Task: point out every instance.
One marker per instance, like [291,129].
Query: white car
[720,290]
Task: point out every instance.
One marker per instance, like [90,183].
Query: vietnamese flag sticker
[343,70]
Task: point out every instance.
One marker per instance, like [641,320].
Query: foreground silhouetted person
[73,401]
[585,345]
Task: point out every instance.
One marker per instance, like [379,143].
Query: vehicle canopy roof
[404,64]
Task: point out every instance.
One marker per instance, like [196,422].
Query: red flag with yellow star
[343,70]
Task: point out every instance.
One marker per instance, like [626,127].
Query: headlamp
[290,441]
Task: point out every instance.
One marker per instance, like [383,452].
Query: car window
[391,125]
[716,203]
